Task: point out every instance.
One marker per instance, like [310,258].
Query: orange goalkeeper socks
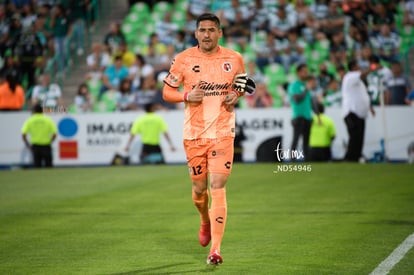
[201,203]
[218,217]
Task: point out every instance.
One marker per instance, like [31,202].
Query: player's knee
[199,187]
[218,181]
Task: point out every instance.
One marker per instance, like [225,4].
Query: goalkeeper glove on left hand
[242,83]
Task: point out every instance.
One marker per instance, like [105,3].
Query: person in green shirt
[60,29]
[322,133]
[150,126]
[42,131]
[300,100]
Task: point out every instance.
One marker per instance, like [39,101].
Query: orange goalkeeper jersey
[211,118]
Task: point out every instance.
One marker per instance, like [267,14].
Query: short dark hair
[340,68]
[140,57]
[81,86]
[395,62]
[352,64]
[300,67]
[320,107]
[374,59]
[148,107]
[37,108]
[210,17]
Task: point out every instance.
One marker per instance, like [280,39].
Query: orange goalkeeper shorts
[209,156]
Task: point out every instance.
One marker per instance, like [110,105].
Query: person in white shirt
[355,106]
[97,61]
[166,29]
[408,12]
[99,57]
[280,23]
[387,43]
[47,94]
[292,50]
[139,72]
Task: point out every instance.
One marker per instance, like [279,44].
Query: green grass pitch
[334,219]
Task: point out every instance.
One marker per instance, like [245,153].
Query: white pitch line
[385,266]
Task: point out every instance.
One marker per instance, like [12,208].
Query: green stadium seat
[94,88]
[385,63]
[139,43]
[277,96]
[291,76]
[407,32]
[140,8]
[72,109]
[132,18]
[249,53]
[129,31]
[179,17]
[161,7]
[398,20]
[275,78]
[181,5]
[138,15]
[234,46]
[407,37]
[259,37]
[275,74]
[405,46]
[155,17]
[107,102]
[331,68]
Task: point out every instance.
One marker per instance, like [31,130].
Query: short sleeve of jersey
[49,125]
[295,88]
[53,128]
[136,127]
[175,76]
[56,91]
[25,127]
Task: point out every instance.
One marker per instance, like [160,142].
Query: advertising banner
[95,138]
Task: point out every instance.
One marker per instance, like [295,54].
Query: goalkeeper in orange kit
[213,78]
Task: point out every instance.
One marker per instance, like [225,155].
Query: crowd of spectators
[126,69]
[274,36]
[36,39]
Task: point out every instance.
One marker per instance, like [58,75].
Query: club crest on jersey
[227,67]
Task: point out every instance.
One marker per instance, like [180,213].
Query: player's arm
[52,138]
[128,145]
[25,131]
[172,82]
[26,141]
[298,97]
[167,137]
[53,130]
[171,94]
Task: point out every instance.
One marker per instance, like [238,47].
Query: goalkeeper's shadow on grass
[158,270]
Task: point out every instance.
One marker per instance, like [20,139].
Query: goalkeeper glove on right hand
[242,83]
